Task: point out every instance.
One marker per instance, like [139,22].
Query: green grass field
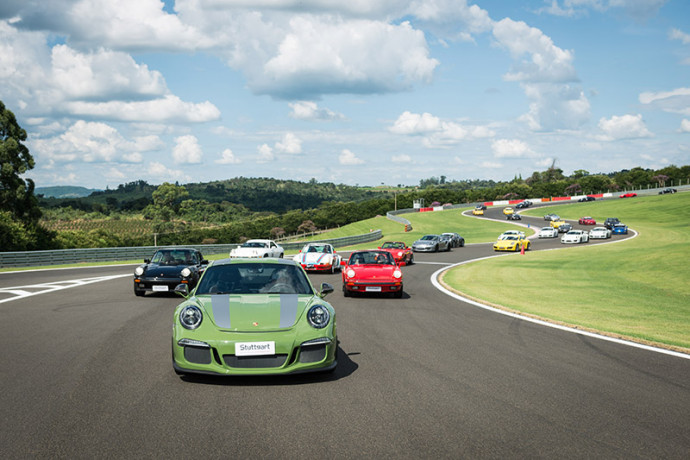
[638,289]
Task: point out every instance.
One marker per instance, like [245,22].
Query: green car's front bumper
[295,352]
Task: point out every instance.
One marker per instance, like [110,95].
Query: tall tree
[16,194]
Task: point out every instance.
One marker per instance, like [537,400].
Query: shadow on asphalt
[345,368]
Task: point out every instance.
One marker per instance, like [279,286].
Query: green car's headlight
[191,317]
[139,271]
[318,316]
[186,272]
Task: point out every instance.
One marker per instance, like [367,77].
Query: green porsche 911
[254,317]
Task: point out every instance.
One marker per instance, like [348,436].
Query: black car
[610,222]
[667,190]
[455,239]
[586,198]
[523,204]
[513,216]
[480,206]
[565,228]
[168,268]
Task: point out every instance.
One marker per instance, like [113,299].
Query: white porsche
[600,233]
[575,236]
[548,232]
[320,257]
[258,248]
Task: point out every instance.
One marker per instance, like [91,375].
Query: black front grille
[254,362]
[312,354]
[197,355]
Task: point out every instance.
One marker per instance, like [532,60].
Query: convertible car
[508,233]
[512,243]
[372,272]
[586,221]
[318,257]
[258,248]
[508,210]
[477,212]
[400,251]
[249,317]
[628,195]
[168,268]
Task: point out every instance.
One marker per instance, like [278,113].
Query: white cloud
[675,101]
[324,55]
[546,62]
[228,158]
[623,127]
[187,150]
[437,133]
[170,109]
[511,148]
[348,158]
[414,123]
[94,142]
[402,158]
[685,126]
[307,110]
[491,165]
[265,154]
[290,144]
[677,34]
[160,172]
[103,74]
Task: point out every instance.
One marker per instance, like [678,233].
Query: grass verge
[636,289]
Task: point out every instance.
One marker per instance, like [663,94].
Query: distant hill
[64,191]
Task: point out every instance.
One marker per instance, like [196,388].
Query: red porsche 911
[628,195]
[372,272]
[587,221]
[400,251]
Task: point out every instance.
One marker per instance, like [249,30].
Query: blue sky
[362,92]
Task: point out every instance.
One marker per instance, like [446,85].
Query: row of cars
[611,226]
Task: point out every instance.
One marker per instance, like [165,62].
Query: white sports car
[258,248]
[548,232]
[600,232]
[508,233]
[318,257]
[575,236]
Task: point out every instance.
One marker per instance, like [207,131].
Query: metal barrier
[90,255]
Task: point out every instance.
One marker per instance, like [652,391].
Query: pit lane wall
[91,255]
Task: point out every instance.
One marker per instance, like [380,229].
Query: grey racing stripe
[288,309]
[221,310]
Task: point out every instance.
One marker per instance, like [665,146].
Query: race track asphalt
[86,373]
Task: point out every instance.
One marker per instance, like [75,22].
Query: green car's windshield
[254,278]
[389,245]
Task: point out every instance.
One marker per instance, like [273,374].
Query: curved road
[86,373]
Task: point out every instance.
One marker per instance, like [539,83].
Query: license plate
[255,348]
[373,289]
[160,288]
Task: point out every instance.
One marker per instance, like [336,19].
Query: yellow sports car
[512,243]
[557,223]
[477,212]
[508,211]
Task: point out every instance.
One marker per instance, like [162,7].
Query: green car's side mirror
[325,289]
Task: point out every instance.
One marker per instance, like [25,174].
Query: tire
[281,255]
[398,294]
[139,293]
[462,243]
[436,248]
[346,293]
[411,262]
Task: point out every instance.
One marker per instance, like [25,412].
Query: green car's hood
[255,312]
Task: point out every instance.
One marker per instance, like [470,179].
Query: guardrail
[90,255]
